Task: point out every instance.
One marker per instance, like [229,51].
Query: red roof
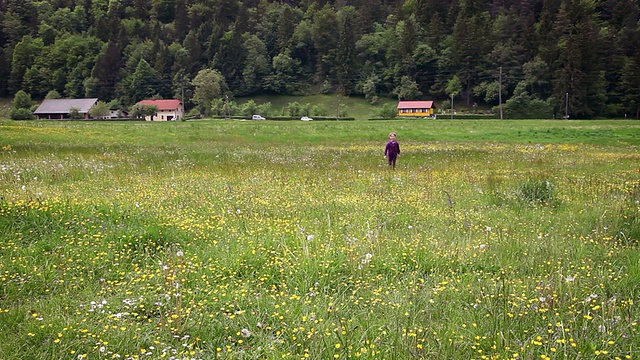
[163,105]
[415,104]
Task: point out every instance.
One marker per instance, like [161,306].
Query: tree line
[577,58]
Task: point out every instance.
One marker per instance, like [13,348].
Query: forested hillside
[580,57]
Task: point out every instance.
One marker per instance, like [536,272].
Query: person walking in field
[392,150]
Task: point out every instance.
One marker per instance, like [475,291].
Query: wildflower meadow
[294,240]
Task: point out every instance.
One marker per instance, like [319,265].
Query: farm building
[416,108]
[168,110]
[62,108]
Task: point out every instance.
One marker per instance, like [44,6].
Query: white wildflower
[602,329]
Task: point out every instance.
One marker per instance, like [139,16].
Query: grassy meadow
[294,240]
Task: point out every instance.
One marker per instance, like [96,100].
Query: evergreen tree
[230,59]
[4,73]
[631,86]
[181,20]
[578,69]
[325,37]
[345,53]
[20,19]
[143,83]
[257,66]
[24,55]
[283,78]
[286,26]
[164,10]
[105,72]
[470,42]
[303,50]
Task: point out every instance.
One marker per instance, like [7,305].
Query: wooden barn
[62,108]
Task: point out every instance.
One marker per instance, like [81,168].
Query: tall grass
[238,240]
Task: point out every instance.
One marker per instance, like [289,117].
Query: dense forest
[577,57]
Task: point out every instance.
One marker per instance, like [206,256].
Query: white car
[257,117]
[306,118]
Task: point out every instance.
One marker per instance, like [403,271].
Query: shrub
[536,191]
[21,114]
[388,111]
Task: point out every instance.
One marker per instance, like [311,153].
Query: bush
[535,191]
[21,114]
[388,111]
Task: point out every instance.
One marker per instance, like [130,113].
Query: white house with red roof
[416,108]
[168,110]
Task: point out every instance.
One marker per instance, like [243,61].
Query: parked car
[306,118]
[257,117]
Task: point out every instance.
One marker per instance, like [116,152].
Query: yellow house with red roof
[168,110]
[416,108]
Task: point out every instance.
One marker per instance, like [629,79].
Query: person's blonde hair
[393,134]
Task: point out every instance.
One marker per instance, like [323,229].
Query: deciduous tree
[209,85]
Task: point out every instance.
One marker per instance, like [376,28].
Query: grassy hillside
[5,107]
[356,107]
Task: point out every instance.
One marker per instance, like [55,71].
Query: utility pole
[182,88]
[500,92]
[227,111]
[184,111]
[451,106]
[566,106]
